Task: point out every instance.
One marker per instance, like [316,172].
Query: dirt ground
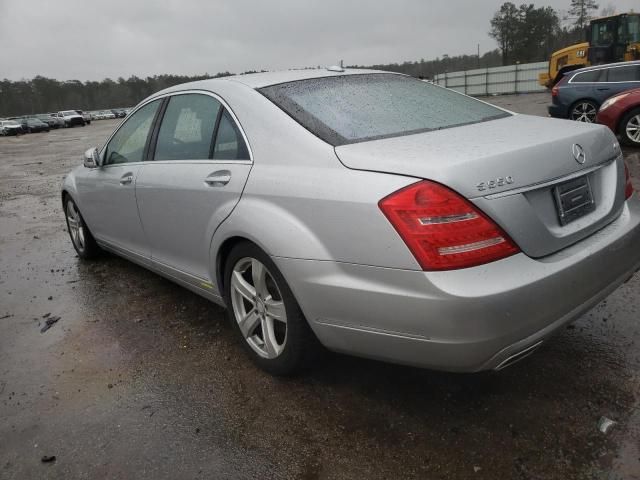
[142,379]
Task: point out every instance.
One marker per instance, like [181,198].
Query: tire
[629,128]
[291,345]
[584,111]
[81,237]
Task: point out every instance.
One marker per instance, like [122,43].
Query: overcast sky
[94,39]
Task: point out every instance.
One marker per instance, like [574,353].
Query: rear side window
[624,74]
[187,128]
[355,108]
[590,77]
[229,142]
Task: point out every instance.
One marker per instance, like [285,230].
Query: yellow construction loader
[611,39]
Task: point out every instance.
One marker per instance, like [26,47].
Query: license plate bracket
[574,199]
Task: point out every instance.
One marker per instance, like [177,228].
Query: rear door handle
[603,89]
[218,179]
[126,179]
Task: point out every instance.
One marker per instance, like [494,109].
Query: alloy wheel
[584,112]
[76,228]
[258,307]
[633,129]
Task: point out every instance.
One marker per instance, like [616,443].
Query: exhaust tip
[516,357]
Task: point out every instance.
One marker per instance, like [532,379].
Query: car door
[107,196]
[200,166]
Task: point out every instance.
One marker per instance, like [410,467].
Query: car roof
[600,67]
[265,79]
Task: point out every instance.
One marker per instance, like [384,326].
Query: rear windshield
[356,108]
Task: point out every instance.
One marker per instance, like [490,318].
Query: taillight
[443,230]
[628,186]
[556,88]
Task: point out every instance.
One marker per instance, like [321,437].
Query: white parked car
[86,116]
[10,127]
[71,118]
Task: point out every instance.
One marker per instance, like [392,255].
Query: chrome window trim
[183,92]
[604,67]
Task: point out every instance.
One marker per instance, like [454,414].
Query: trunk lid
[510,168]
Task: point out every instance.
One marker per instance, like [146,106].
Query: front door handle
[603,89]
[218,179]
[126,179]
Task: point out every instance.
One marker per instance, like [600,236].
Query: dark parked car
[49,120]
[621,113]
[33,125]
[119,113]
[580,93]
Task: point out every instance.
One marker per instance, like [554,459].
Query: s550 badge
[491,184]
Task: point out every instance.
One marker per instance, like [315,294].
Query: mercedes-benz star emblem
[578,153]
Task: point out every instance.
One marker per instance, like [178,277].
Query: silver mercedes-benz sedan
[368,212]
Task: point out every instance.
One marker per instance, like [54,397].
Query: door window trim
[145,151]
[607,69]
[158,121]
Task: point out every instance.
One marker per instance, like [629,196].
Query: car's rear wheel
[81,236]
[265,313]
[630,128]
[584,111]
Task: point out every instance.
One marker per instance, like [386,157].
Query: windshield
[355,108]
[69,112]
[630,34]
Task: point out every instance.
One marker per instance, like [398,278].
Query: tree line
[529,34]
[524,33]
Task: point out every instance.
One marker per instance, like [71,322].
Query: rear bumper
[558,111]
[466,320]
[74,121]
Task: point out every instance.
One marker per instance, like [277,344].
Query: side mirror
[91,158]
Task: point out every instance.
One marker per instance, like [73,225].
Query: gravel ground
[142,379]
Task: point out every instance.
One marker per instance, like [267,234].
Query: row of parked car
[44,122]
[607,94]
[108,114]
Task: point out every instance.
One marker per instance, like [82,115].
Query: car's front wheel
[584,111]
[265,313]
[630,128]
[81,236]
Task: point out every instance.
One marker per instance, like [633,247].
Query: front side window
[187,128]
[229,142]
[128,144]
[624,74]
[355,108]
[603,33]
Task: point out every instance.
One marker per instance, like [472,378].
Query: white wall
[521,78]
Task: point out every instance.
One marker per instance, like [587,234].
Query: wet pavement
[142,379]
